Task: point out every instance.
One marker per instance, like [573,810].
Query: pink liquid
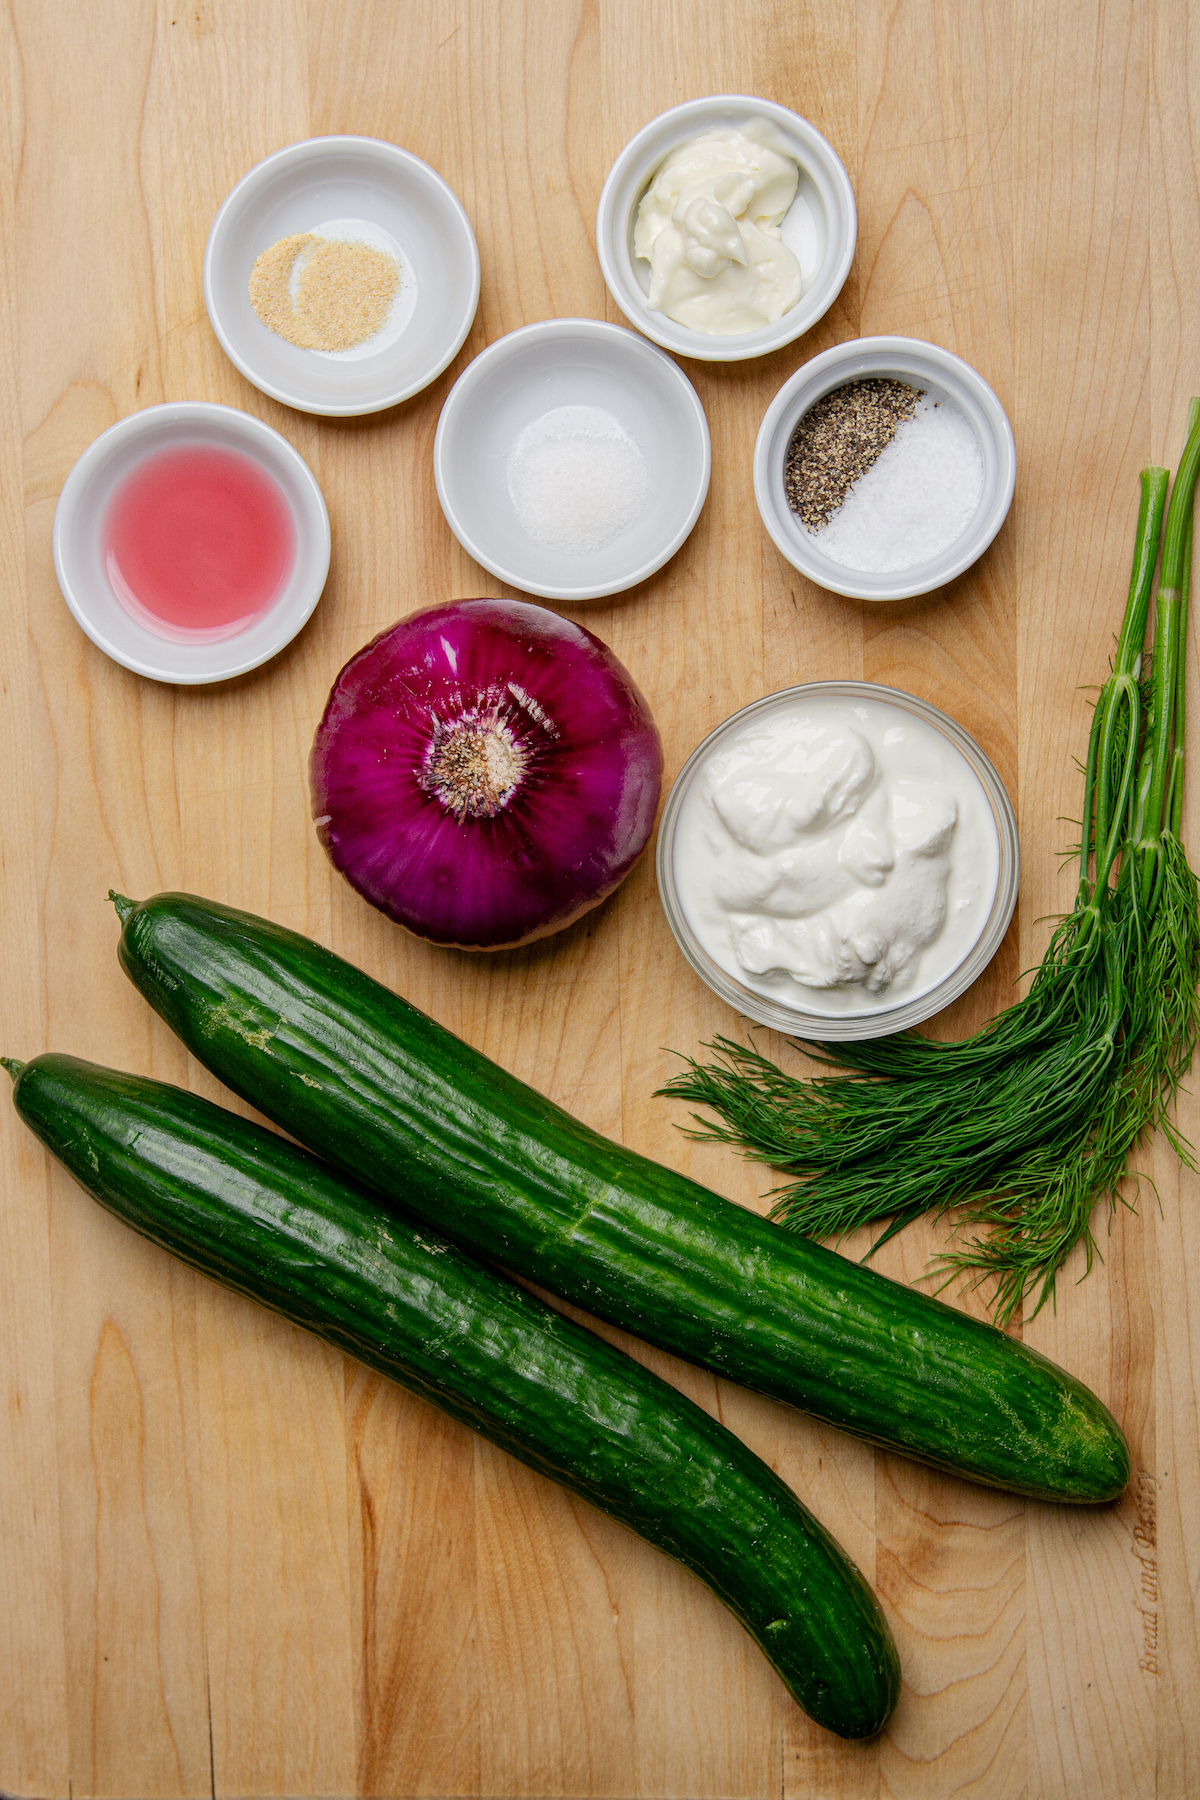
[198,542]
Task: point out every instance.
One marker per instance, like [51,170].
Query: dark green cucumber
[399,1103]
[265,1218]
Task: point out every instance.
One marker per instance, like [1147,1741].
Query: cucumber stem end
[124,907]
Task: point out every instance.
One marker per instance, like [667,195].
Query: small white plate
[78,549]
[942,375]
[514,386]
[821,227]
[358,188]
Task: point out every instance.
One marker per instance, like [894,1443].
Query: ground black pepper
[838,439]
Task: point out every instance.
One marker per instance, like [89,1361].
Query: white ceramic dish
[812,1023]
[943,376]
[353,187]
[79,560]
[531,373]
[821,227]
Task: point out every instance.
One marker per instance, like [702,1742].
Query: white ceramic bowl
[355,187]
[79,560]
[821,227]
[519,380]
[811,1022]
[943,376]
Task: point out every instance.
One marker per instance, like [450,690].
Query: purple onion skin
[545,838]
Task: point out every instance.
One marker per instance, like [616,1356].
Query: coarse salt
[916,499]
[576,479]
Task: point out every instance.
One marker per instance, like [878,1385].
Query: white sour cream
[838,855]
[709,226]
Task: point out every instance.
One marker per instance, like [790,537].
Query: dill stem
[1175,790]
[1158,735]
[1180,510]
[1121,690]
[1174,807]
[1110,813]
[1145,555]
[1167,622]
[1089,791]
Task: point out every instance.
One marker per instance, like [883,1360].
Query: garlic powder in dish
[709,225]
[839,856]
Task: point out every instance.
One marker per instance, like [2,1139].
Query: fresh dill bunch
[1023,1128]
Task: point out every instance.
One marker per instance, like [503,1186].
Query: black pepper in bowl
[838,439]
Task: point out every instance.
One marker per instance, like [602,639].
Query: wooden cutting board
[230,1561]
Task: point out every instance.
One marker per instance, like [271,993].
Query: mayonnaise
[709,226]
[838,855]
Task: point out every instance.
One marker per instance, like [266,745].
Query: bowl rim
[335,144]
[242,428]
[624,342]
[855,359]
[842,1027]
[825,168]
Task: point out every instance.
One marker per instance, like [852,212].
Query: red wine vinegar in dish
[198,542]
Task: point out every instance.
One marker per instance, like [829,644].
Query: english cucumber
[242,1205]
[427,1122]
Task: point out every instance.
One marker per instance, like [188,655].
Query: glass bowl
[819,1022]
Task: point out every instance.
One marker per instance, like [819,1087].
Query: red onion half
[485,772]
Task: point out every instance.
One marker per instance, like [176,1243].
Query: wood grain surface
[232,1562]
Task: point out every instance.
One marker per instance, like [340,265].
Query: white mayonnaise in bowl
[814,222]
[839,860]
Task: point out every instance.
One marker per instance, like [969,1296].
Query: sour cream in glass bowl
[839,860]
